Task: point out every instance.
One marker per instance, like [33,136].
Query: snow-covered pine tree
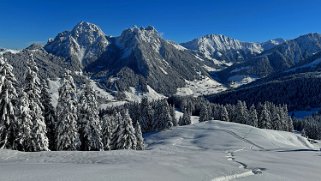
[107,130]
[8,96]
[162,118]
[265,118]
[39,139]
[66,130]
[172,113]
[124,135]
[289,121]
[275,118]
[139,137]
[242,112]
[253,118]
[24,122]
[224,114]
[147,114]
[185,119]
[49,114]
[88,120]
[204,113]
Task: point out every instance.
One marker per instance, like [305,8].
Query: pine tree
[147,114]
[172,113]
[49,115]
[162,118]
[124,135]
[139,137]
[66,130]
[8,96]
[39,139]
[265,118]
[204,113]
[224,114]
[289,122]
[276,119]
[185,119]
[242,113]
[253,118]
[107,131]
[24,123]
[88,120]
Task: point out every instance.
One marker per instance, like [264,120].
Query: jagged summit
[82,45]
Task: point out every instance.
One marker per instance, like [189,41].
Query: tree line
[29,122]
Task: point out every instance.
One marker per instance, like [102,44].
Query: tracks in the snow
[230,155]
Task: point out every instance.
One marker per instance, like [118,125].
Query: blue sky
[26,21]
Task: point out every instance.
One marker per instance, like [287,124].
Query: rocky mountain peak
[83,44]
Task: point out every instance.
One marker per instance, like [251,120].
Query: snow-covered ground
[196,88]
[209,151]
[238,80]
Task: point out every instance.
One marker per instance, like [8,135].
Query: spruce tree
[172,113]
[107,130]
[241,112]
[24,123]
[124,135]
[253,118]
[204,113]
[147,114]
[224,114]
[139,137]
[39,139]
[66,130]
[162,118]
[49,115]
[265,118]
[185,119]
[8,96]
[88,120]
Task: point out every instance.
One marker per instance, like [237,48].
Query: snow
[53,90]
[204,86]
[163,71]
[101,92]
[212,151]
[134,96]
[177,46]
[238,80]
[3,51]
[210,69]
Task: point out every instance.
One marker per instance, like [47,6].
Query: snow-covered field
[209,151]
[196,88]
[238,80]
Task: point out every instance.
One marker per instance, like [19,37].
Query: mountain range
[140,60]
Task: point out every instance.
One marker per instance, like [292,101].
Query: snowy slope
[209,151]
[205,86]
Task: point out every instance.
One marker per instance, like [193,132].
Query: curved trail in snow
[231,157]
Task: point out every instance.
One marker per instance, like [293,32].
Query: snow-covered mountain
[272,43]
[222,48]
[140,60]
[82,45]
[141,57]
